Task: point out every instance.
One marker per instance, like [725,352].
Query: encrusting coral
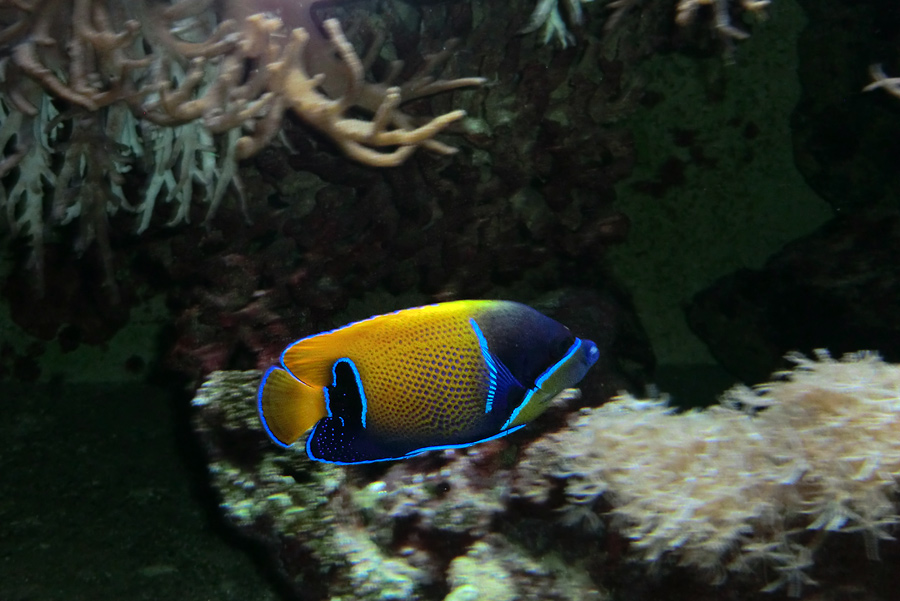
[751,489]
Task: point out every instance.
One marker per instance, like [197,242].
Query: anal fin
[335,440]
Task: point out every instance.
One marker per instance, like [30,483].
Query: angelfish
[441,376]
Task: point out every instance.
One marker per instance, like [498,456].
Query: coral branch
[222,80]
[891,85]
[359,139]
[549,19]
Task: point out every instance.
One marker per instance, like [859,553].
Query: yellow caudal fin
[287,406]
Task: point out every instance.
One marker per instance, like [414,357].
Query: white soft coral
[547,17]
[552,22]
[737,485]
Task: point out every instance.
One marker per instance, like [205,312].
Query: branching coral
[687,11]
[185,92]
[881,81]
[759,479]
[548,18]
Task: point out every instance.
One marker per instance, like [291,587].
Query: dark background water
[100,500]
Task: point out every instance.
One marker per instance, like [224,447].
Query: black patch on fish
[345,400]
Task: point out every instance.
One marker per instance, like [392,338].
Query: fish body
[434,377]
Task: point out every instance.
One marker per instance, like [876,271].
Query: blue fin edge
[350,325]
[259,411]
[411,453]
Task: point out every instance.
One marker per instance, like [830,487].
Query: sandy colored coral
[184,90]
[882,81]
[687,11]
[757,481]
[548,18]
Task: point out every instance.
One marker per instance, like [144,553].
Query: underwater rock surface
[835,289]
[554,516]
[434,527]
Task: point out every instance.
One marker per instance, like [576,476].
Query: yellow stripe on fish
[439,376]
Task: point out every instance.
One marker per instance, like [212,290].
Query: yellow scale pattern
[424,376]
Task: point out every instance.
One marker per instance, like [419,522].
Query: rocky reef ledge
[786,489]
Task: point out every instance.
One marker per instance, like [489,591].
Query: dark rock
[837,288]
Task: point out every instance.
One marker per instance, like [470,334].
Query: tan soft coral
[758,480]
[882,81]
[549,19]
[185,91]
[93,53]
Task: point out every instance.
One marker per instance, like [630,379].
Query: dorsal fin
[311,359]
